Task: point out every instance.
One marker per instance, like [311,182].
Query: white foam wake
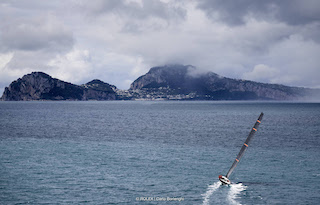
[211,188]
[234,191]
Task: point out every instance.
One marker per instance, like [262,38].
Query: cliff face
[40,86]
[179,79]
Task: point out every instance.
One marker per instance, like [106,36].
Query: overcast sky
[116,41]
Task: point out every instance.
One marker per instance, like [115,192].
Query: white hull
[224,180]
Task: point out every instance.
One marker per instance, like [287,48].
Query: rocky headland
[41,86]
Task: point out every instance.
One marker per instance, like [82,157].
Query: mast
[245,145]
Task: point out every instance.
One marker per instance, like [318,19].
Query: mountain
[186,82]
[170,82]
[99,85]
[99,90]
[41,86]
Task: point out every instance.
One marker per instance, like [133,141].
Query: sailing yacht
[224,179]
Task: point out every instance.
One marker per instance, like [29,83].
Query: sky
[116,41]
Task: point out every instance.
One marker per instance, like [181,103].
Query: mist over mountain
[170,82]
[187,80]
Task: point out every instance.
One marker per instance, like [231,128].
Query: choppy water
[143,152]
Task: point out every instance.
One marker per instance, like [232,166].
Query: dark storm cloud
[293,12]
[136,14]
[145,9]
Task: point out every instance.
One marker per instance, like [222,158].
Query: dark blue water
[144,152]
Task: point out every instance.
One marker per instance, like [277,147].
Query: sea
[158,152]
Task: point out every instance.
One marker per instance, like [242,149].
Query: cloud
[119,40]
[80,66]
[262,73]
[72,66]
[5,59]
[293,61]
[296,61]
[31,37]
[142,10]
[136,16]
[36,34]
[294,12]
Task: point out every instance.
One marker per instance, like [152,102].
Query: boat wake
[211,188]
[234,192]
[229,197]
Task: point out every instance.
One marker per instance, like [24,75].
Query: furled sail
[245,145]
